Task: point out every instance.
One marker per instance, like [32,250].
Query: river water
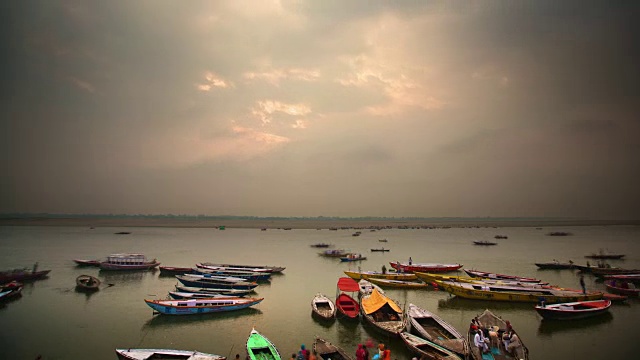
[51,319]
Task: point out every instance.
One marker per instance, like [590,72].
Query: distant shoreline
[302,223]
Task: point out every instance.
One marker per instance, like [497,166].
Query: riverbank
[305,223]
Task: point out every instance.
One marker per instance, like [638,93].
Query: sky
[321,108]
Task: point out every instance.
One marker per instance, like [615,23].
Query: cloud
[267,108]
[212,80]
[274,76]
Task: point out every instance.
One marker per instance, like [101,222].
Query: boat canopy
[375,301]
[348,284]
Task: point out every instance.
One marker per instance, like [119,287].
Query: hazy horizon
[298,108]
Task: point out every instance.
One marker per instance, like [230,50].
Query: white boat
[323,307]
[151,354]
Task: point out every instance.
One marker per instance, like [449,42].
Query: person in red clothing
[360,353]
[387,355]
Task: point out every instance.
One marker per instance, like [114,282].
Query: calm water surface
[53,320]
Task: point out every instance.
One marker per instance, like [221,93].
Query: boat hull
[389,276]
[260,348]
[347,306]
[118,267]
[425,267]
[141,354]
[164,307]
[575,310]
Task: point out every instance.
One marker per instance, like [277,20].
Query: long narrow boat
[494,276]
[334,253]
[236,292]
[173,270]
[261,348]
[87,283]
[427,349]
[128,262]
[256,268]
[424,267]
[603,256]
[382,313]
[207,282]
[347,306]
[329,351]
[431,327]
[573,310]
[555,265]
[246,275]
[353,257]
[399,283]
[323,307]
[432,278]
[179,295]
[485,243]
[357,275]
[8,276]
[82,262]
[515,293]
[490,321]
[630,277]
[153,354]
[622,287]
[380,250]
[201,306]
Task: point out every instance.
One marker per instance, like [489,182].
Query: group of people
[487,337]
[304,354]
[362,353]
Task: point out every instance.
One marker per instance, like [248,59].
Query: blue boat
[353,257]
[201,306]
[246,275]
[207,281]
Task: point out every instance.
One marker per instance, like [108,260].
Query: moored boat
[10,290]
[174,270]
[87,283]
[346,305]
[381,249]
[321,245]
[207,281]
[124,262]
[357,275]
[329,351]
[233,292]
[516,347]
[427,349]
[83,262]
[334,253]
[201,306]
[382,313]
[573,310]
[555,265]
[22,274]
[366,287]
[622,287]
[353,257]
[179,295]
[424,267]
[246,275]
[494,276]
[323,307]
[153,354]
[431,327]
[399,283]
[485,243]
[254,268]
[261,348]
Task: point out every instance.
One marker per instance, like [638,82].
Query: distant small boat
[151,354]
[555,265]
[605,256]
[501,237]
[329,351]
[87,283]
[321,245]
[334,253]
[484,243]
[123,233]
[201,306]
[81,262]
[559,233]
[573,310]
[382,240]
[323,307]
[261,348]
[353,257]
[381,249]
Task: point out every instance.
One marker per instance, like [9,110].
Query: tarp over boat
[348,284]
[375,301]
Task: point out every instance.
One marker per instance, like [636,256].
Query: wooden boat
[429,326]
[124,262]
[380,249]
[159,354]
[254,268]
[431,278]
[630,277]
[501,237]
[206,281]
[382,240]
[427,349]
[334,253]
[602,255]
[123,233]
[172,270]
[357,275]
[555,265]
[329,351]
[81,262]
[515,293]
[615,298]
[366,287]
[602,271]
[622,287]
[382,313]
[424,267]
[353,257]
[323,307]
[87,283]
[573,310]
[485,243]
[496,323]
[494,276]
[559,233]
[179,295]
[201,306]
[321,245]
[347,306]
[22,275]
[246,275]
[233,292]
[399,283]
[261,348]
[10,290]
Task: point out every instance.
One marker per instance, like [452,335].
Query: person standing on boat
[384,269]
[410,260]
[584,289]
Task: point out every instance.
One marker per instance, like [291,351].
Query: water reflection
[550,327]
[124,276]
[159,321]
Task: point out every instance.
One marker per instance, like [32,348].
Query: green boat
[261,348]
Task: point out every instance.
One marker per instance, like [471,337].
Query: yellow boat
[515,293]
[431,277]
[398,283]
[357,275]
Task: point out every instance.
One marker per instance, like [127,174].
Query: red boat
[428,268]
[494,276]
[573,310]
[22,275]
[10,290]
[346,304]
[622,287]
